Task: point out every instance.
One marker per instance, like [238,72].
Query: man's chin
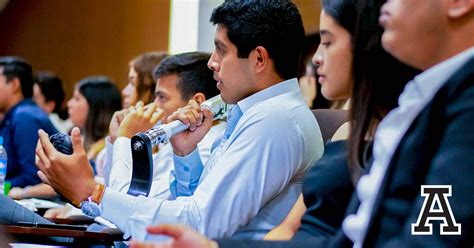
[228,99]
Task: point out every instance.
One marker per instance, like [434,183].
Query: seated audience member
[94,101]
[48,94]
[428,142]
[311,88]
[253,176]
[141,84]
[140,87]
[91,108]
[21,122]
[346,71]
[180,78]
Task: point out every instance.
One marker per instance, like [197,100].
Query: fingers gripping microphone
[162,133]
[142,144]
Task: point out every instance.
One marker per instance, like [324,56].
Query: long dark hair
[104,99]
[378,78]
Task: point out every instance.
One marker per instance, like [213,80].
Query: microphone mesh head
[62,143]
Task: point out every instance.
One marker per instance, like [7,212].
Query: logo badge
[436,195]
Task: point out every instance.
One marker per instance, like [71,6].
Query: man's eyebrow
[159,92]
[219,43]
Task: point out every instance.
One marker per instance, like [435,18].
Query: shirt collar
[265,94]
[428,82]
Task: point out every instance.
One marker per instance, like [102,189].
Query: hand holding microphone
[197,120]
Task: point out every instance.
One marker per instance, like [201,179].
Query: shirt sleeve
[248,174]
[121,168]
[184,178]
[109,156]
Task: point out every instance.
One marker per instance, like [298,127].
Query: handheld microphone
[162,133]
[142,143]
[62,143]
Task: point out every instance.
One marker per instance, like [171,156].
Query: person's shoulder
[278,116]
[280,106]
[26,112]
[459,88]
[462,78]
[269,111]
[30,114]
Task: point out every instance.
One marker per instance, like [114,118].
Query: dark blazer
[438,149]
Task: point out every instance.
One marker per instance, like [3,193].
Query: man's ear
[199,98]
[261,58]
[459,8]
[15,84]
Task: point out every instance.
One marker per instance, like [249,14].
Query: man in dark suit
[427,141]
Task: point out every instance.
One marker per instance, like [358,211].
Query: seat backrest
[330,120]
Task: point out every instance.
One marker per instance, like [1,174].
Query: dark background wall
[310,10]
[87,37]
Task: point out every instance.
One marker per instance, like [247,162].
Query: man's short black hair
[16,67]
[193,74]
[273,24]
[51,87]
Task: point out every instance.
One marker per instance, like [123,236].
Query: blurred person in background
[48,94]
[311,88]
[94,101]
[180,78]
[141,84]
[21,121]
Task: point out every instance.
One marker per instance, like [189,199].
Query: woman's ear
[199,98]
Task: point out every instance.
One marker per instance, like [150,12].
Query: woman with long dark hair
[94,102]
[351,64]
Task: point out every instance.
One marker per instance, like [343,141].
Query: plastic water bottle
[3,166]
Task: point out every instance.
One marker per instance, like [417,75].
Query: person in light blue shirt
[253,176]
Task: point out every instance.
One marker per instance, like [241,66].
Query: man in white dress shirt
[179,78]
[254,174]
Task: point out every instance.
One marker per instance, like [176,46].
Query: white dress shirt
[119,163]
[250,182]
[416,95]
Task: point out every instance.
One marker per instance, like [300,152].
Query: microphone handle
[173,128]
[162,133]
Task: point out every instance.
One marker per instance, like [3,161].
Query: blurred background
[78,38]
